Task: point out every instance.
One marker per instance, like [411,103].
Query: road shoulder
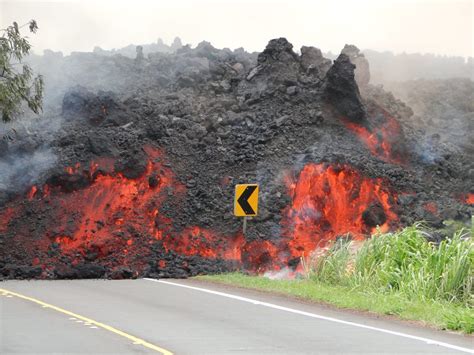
[391,322]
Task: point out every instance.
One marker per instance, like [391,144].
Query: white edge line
[314,315]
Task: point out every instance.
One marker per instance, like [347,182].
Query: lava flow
[118,222]
[109,219]
[381,138]
[470,199]
[431,207]
[333,201]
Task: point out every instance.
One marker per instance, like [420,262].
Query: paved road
[190,317]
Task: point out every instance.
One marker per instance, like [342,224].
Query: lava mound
[141,173]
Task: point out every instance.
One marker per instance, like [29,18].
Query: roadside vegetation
[18,85]
[399,273]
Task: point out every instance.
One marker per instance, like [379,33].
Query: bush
[403,262]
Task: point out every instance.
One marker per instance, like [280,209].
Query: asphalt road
[145,316]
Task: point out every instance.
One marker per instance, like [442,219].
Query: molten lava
[5,217]
[32,192]
[114,219]
[381,137]
[470,199]
[117,221]
[202,242]
[431,207]
[332,201]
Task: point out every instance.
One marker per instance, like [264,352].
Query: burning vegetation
[142,183]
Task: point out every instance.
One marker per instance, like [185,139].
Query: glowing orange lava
[381,138]
[470,199]
[118,221]
[5,217]
[32,192]
[431,207]
[113,212]
[330,201]
[202,242]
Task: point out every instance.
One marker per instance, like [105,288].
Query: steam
[443,113]
[26,151]
[386,67]
[283,274]
[20,170]
[25,147]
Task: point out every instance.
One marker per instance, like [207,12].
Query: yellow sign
[246,200]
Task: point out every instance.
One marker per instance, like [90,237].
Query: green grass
[397,274]
[403,262]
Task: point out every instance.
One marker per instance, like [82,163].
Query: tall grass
[404,263]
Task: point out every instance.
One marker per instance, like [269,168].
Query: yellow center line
[134,339]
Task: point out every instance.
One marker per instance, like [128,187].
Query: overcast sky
[426,26]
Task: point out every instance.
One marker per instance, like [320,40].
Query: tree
[17,83]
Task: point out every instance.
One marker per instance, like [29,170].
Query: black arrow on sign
[243,199]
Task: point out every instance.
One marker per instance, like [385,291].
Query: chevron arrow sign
[246,200]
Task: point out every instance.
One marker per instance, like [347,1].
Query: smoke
[283,274]
[26,151]
[25,148]
[386,67]
[20,170]
[443,115]
[90,23]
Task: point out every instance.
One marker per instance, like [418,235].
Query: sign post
[246,202]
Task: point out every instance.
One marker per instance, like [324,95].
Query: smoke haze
[427,26]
